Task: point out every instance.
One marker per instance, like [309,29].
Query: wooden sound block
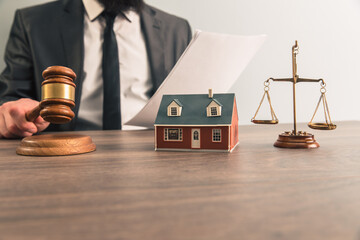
[55,145]
[300,140]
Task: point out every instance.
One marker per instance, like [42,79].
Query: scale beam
[297,81]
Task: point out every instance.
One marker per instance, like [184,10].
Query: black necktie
[111,76]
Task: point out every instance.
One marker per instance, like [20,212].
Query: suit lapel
[151,27]
[72,33]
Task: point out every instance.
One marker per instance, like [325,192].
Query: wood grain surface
[126,190]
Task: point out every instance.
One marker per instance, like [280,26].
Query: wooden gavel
[57,96]
[57,99]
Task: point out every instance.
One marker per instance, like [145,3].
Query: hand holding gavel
[58,96]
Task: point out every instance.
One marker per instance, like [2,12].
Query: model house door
[195,140]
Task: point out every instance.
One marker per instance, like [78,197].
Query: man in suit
[70,33]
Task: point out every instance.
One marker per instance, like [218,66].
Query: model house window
[214,109]
[196,135]
[174,111]
[173,134]
[174,108]
[216,135]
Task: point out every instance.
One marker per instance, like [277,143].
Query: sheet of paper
[211,60]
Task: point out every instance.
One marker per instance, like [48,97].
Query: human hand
[13,123]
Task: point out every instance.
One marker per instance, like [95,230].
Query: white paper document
[211,60]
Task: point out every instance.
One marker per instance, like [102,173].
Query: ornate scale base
[299,140]
[55,145]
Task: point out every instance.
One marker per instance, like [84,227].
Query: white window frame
[214,111]
[216,135]
[174,111]
[166,135]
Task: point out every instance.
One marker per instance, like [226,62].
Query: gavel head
[58,95]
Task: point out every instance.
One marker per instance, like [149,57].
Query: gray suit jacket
[52,34]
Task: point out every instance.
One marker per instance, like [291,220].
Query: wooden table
[126,190]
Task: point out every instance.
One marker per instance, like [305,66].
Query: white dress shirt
[135,82]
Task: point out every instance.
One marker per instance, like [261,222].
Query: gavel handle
[33,114]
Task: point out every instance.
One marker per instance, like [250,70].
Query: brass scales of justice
[294,138]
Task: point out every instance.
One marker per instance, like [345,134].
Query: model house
[197,122]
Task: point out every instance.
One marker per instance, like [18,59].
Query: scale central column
[295,139]
[294,104]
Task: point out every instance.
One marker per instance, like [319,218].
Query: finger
[18,117]
[16,124]
[5,133]
[41,124]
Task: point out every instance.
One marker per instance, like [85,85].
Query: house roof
[194,109]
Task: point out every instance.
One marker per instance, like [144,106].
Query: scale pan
[265,121]
[322,126]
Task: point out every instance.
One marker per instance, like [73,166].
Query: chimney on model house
[210,93]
